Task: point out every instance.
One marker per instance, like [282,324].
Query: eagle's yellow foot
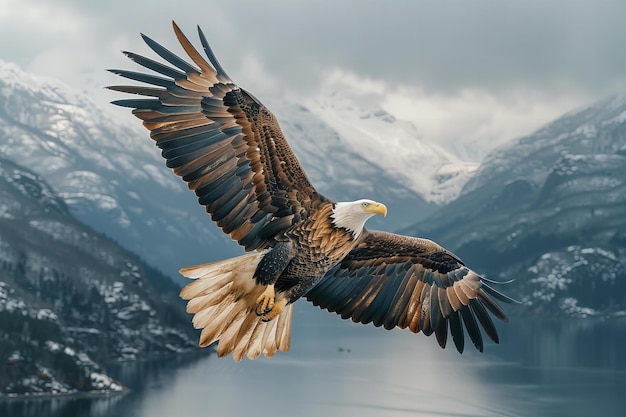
[265,302]
[275,311]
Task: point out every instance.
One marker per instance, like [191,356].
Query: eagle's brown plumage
[230,150]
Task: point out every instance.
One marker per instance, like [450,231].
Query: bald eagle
[229,149]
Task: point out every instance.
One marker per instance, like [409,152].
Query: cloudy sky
[479,70]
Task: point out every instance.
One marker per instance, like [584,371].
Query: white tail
[223,300]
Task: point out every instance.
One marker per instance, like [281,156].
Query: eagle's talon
[265,302]
[275,311]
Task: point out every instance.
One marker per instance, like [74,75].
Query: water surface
[541,368]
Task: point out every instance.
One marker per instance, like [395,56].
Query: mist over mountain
[434,173]
[548,210]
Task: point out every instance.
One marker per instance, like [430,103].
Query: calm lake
[337,368]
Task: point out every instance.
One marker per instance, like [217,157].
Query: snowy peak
[71,123]
[392,144]
[14,79]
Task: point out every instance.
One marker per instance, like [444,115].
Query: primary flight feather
[230,150]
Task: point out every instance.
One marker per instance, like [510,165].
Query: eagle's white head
[352,215]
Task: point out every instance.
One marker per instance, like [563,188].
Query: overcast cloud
[482,71]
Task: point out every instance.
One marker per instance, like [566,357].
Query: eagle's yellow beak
[377,208]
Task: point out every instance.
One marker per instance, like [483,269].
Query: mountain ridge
[70,298]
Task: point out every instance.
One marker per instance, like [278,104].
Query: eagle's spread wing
[222,141]
[399,281]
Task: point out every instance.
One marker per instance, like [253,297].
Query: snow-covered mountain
[584,131]
[549,210]
[435,173]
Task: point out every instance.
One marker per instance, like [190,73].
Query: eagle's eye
[365,204]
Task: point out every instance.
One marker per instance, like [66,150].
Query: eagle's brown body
[322,247]
[230,150]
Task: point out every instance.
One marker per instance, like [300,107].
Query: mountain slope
[70,297]
[548,211]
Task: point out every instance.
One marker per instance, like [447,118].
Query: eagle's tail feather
[223,300]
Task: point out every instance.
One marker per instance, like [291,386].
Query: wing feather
[456,330]
[221,140]
[155,66]
[400,281]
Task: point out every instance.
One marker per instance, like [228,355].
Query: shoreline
[62,395]
[104,393]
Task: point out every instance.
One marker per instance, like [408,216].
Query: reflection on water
[561,368]
[554,368]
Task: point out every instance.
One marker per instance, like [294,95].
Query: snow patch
[46,314]
[104,382]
